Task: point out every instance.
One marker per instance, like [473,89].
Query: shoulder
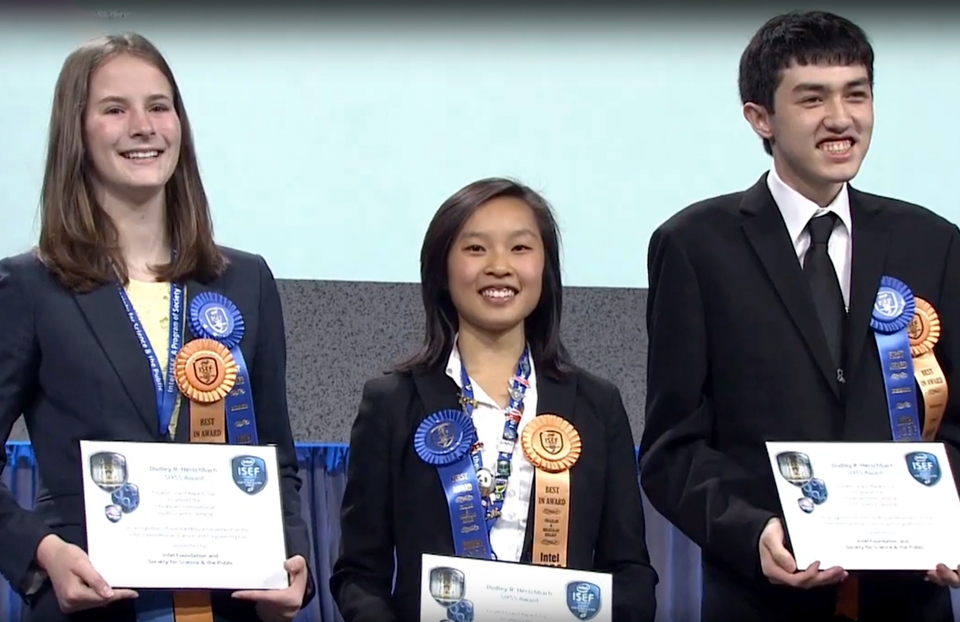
[24,266]
[595,389]
[704,218]
[389,387]
[384,403]
[243,262]
[25,277]
[904,214]
[248,276]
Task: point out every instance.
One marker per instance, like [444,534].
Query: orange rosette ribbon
[552,445]
[924,332]
[206,372]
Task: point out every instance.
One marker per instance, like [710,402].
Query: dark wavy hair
[542,326]
[804,38]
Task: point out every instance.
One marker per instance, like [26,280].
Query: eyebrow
[123,100]
[821,88]
[514,234]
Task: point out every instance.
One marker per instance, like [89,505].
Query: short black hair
[542,326]
[804,38]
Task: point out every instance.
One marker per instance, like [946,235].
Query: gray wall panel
[340,333]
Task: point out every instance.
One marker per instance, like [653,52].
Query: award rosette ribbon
[552,445]
[206,372]
[924,332]
[443,440]
[893,309]
[214,316]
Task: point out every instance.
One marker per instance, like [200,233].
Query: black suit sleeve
[622,546]
[20,530]
[268,379]
[947,352]
[708,496]
[363,575]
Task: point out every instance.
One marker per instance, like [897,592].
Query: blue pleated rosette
[893,307]
[444,440]
[214,316]
[444,437]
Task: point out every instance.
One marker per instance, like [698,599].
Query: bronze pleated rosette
[551,443]
[205,371]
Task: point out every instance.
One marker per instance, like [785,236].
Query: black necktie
[824,284]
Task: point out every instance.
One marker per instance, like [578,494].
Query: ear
[759,119]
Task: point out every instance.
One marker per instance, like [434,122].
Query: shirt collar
[454,364]
[797,210]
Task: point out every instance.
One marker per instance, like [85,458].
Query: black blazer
[737,357]
[395,500]
[72,364]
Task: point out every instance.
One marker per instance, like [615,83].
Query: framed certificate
[868,506]
[172,515]
[461,589]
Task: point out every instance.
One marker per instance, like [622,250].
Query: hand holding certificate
[868,506]
[174,516]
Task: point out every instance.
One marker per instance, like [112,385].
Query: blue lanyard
[493,485]
[165,387]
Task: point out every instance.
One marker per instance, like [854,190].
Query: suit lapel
[870,241]
[768,235]
[553,398]
[437,392]
[107,318]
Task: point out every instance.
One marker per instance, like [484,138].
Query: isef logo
[583,599]
[249,473]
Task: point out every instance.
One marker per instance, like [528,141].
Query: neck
[484,353]
[142,233]
[821,194]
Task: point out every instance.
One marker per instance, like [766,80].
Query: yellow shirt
[151,301]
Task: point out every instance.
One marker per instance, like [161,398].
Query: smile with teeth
[140,155]
[836,146]
[498,293]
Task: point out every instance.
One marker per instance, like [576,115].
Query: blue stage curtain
[323,470]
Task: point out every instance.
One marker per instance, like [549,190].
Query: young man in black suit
[759,320]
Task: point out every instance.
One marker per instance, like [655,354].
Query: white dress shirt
[508,531]
[797,210]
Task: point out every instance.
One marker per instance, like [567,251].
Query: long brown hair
[78,240]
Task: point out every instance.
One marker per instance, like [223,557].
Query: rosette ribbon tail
[924,333]
[552,445]
[443,440]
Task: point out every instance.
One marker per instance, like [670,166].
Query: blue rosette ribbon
[444,440]
[214,316]
[893,308]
